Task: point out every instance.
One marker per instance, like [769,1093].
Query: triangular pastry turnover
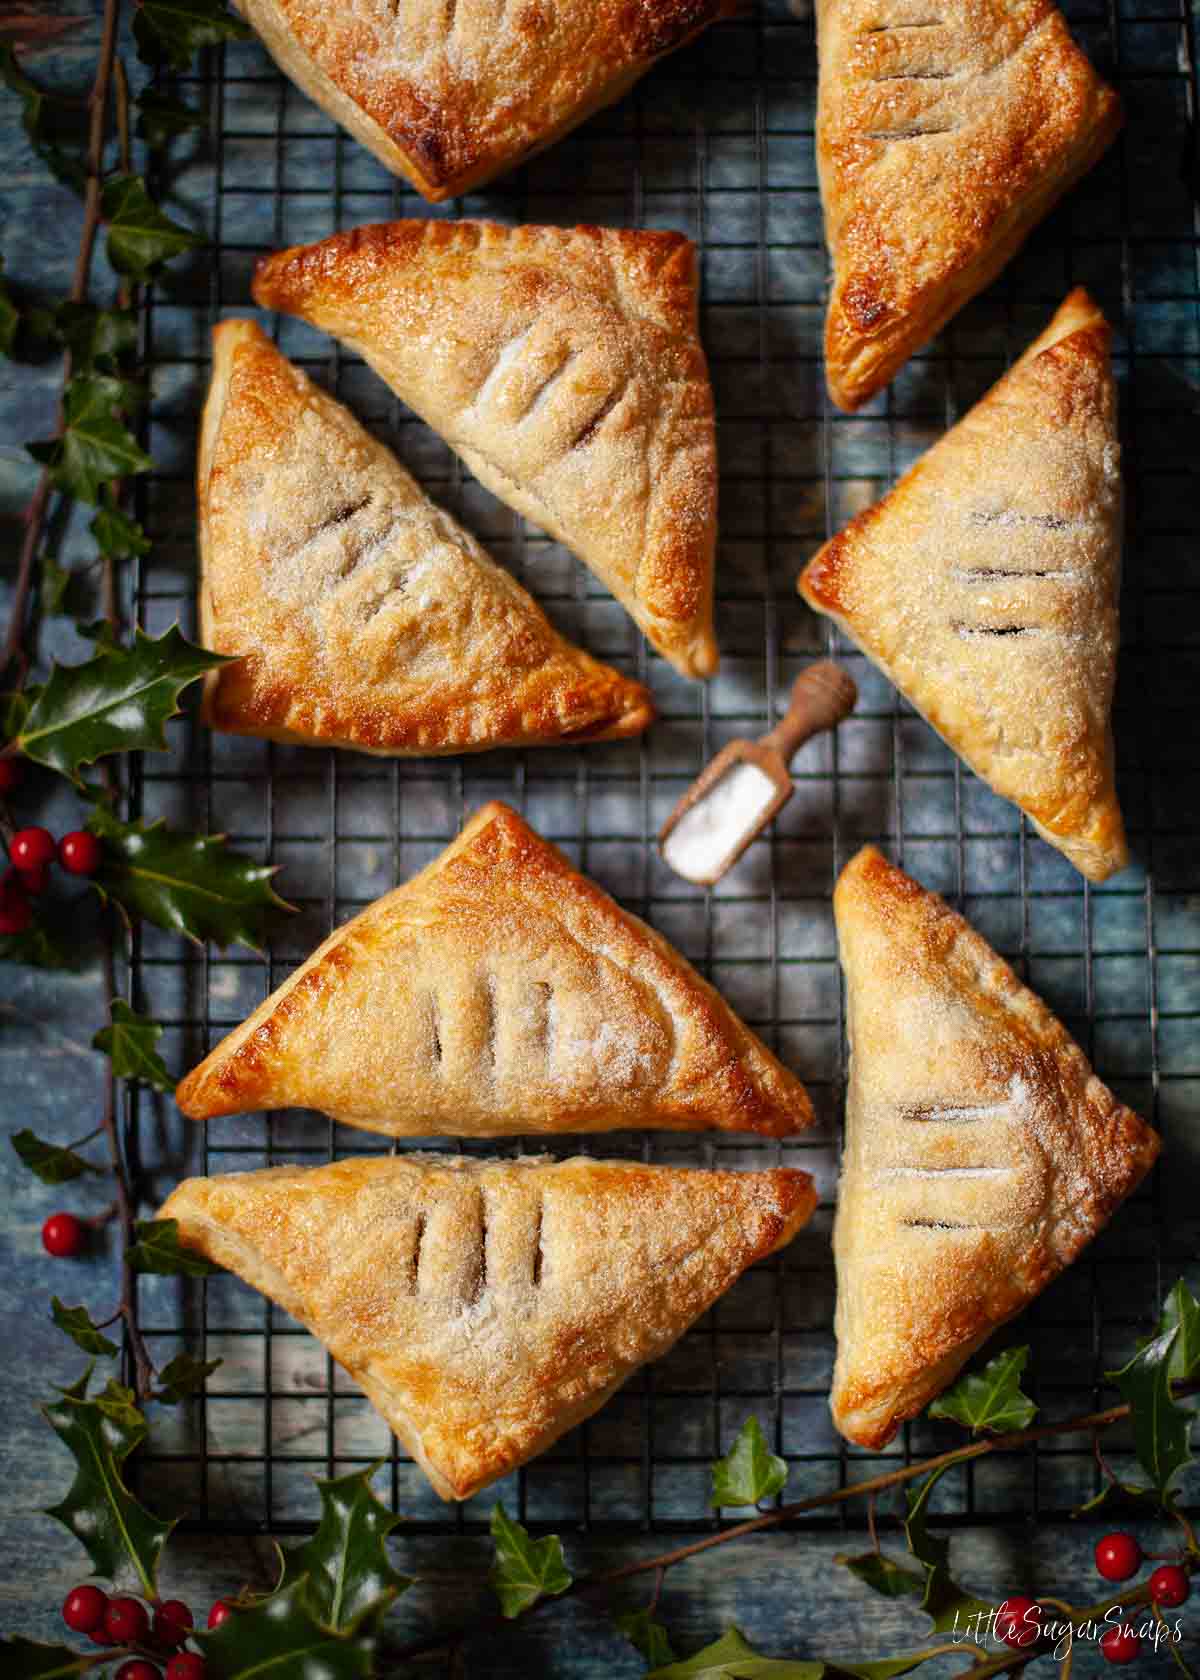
[499,993]
[449,93]
[986,587]
[946,130]
[364,615]
[486,1307]
[565,367]
[982,1152]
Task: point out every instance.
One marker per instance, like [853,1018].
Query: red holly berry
[1121,1645]
[137,1668]
[220,1612]
[1170,1586]
[30,848]
[16,912]
[187,1666]
[172,1622]
[62,1236]
[83,1608]
[11,772]
[1118,1557]
[126,1621]
[1019,1622]
[79,852]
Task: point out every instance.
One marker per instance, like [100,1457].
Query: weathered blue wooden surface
[766,936]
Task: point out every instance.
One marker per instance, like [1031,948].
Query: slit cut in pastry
[449,93]
[486,1307]
[946,130]
[364,615]
[499,993]
[564,365]
[982,1152]
[986,586]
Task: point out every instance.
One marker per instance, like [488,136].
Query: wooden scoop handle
[822,695]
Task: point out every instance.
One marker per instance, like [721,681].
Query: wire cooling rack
[716,142]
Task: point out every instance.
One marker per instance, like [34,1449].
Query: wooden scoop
[711,827]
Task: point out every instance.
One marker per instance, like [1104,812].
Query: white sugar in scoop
[748,783]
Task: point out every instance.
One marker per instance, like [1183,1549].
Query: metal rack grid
[717,142]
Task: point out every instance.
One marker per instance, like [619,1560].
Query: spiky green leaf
[48,1161]
[129,1042]
[122,1538]
[118,701]
[157,1249]
[523,1569]
[187,883]
[884,1575]
[943,1599]
[1161,1427]
[732,1657]
[646,1635]
[990,1399]
[140,237]
[76,1322]
[749,1471]
[346,1563]
[1181,1311]
[183,1377]
[94,446]
[281,1639]
[173,31]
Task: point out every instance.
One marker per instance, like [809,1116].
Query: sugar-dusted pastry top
[946,129]
[364,614]
[486,1307]
[565,367]
[986,587]
[449,93]
[500,992]
[982,1152]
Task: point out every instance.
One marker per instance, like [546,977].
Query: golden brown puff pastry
[982,1152]
[499,993]
[486,1307]
[449,93]
[986,587]
[946,130]
[364,615]
[565,366]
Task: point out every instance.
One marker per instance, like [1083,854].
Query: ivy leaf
[749,1471]
[123,1539]
[28,1659]
[50,122]
[183,1377]
[94,445]
[118,535]
[173,31]
[186,883]
[991,1398]
[346,1563]
[118,701]
[943,1599]
[77,1324]
[96,338]
[280,1639]
[525,1570]
[157,1250]
[10,318]
[732,1657]
[129,1041]
[1161,1428]
[162,119]
[646,1635]
[883,1575]
[1181,1309]
[140,237]
[47,1161]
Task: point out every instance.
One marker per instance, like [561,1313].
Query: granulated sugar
[706,834]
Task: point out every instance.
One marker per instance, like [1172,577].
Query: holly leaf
[116,534]
[96,338]
[94,445]
[28,1659]
[47,1161]
[129,1042]
[162,119]
[883,1575]
[53,124]
[646,1635]
[525,1570]
[280,1639]
[346,1563]
[1116,1493]
[157,1250]
[140,237]
[122,1538]
[1181,1311]
[118,701]
[749,1471]
[77,1323]
[186,883]
[990,1399]
[183,1377]
[943,1599]
[10,317]
[732,1657]
[173,31]
[1161,1428]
